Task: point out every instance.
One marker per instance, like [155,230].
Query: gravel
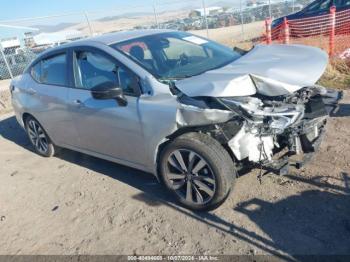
[77,204]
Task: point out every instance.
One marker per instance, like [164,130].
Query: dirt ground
[77,204]
[5,102]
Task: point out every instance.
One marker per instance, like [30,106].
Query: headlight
[277,118]
[280,123]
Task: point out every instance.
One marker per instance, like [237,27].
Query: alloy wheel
[37,136]
[190,176]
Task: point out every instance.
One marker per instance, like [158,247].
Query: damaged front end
[267,131]
[279,128]
[264,108]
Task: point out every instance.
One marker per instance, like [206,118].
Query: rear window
[51,71]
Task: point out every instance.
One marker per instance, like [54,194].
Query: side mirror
[109,90]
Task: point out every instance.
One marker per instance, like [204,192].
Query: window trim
[48,56]
[137,90]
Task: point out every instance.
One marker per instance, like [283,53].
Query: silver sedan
[187,109]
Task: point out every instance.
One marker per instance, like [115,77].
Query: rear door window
[51,70]
[54,70]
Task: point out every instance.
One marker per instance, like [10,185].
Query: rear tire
[198,170]
[39,138]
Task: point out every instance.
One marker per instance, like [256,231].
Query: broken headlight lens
[276,118]
[279,123]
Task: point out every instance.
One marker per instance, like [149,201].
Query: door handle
[78,102]
[31,91]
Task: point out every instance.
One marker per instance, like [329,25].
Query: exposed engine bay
[264,130]
[264,108]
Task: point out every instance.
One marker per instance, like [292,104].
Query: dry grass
[5,101]
[337,74]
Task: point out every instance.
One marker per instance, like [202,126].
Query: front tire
[39,138]
[198,170]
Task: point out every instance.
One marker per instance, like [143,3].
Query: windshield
[176,55]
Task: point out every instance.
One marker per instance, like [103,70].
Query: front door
[104,126]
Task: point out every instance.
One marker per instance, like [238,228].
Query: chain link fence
[22,40]
[231,22]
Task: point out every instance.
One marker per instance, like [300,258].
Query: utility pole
[88,22]
[205,17]
[155,14]
[242,21]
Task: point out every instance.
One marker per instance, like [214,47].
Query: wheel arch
[26,115]
[165,142]
[214,154]
[178,133]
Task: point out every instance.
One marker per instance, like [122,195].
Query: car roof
[106,39]
[112,38]
[121,36]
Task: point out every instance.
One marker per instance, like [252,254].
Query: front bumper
[302,141]
[298,150]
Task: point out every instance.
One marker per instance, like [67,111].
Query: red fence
[329,31]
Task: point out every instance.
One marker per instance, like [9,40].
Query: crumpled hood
[270,70]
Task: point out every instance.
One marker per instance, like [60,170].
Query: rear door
[47,97]
[104,126]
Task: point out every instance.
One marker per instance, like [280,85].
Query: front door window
[92,69]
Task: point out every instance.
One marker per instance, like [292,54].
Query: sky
[13,9]
[16,12]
